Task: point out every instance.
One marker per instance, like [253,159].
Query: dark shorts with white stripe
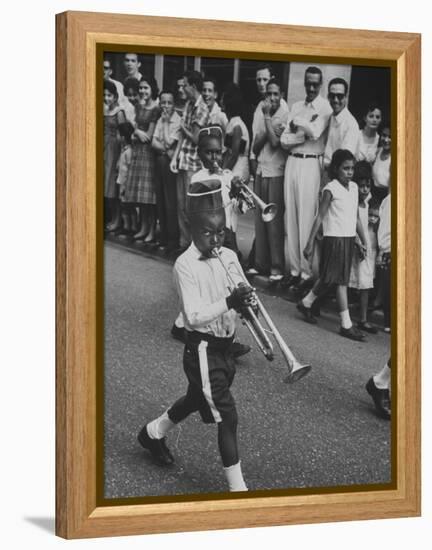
[209,367]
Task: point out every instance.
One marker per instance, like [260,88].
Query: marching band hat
[212,131]
[204,196]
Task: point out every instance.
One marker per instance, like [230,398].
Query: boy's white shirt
[203,286]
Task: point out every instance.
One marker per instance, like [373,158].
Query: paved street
[322,431]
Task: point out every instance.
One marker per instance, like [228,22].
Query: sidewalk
[261,283]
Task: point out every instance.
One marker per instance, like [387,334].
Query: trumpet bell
[298,372]
[269,212]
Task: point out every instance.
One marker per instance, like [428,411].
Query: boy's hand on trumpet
[241,297]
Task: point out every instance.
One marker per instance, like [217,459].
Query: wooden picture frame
[77,293]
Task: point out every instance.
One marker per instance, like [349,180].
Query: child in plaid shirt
[185,161]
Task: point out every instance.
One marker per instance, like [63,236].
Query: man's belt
[304,156]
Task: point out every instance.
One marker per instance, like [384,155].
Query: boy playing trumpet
[210,312]
[210,153]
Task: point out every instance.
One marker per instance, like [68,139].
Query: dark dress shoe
[352,334]
[156,447]
[307,313]
[238,349]
[367,327]
[179,333]
[291,280]
[381,399]
[316,308]
[303,286]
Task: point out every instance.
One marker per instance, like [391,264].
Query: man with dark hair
[185,161]
[132,64]
[343,128]
[210,94]
[264,73]
[180,96]
[304,138]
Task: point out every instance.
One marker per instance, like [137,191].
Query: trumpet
[249,317]
[268,211]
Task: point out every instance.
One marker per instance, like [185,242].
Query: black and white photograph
[247,276]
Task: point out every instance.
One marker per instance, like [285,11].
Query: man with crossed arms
[304,138]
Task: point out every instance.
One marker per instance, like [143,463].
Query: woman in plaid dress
[140,186]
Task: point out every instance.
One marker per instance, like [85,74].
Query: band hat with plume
[204,196]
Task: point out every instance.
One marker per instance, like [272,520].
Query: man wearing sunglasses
[343,129]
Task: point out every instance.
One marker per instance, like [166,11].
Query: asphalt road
[320,432]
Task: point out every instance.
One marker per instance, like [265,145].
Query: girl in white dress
[363,267]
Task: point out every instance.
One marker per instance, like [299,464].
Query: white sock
[382,378]
[309,299]
[159,427]
[345,319]
[179,322]
[235,478]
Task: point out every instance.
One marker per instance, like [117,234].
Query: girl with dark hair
[369,137]
[363,268]
[113,117]
[140,186]
[131,97]
[236,157]
[339,216]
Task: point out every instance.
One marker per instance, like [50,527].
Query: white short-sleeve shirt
[381,171]
[341,217]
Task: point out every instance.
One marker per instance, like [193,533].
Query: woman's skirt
[141,185]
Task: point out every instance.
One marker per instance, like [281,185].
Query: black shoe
[303,286]
[156,447]
[367,327]
[178,333]
[307,313]
[238,349]
[381,398]
[352,333]
[290,281]
[316,308]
